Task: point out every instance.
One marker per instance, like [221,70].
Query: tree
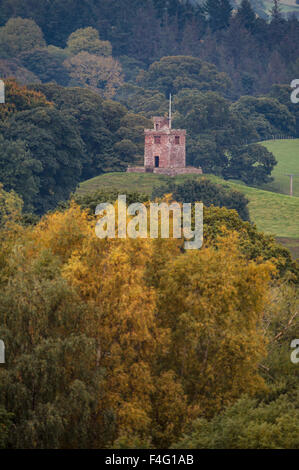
[10,206]
[19,35]
[219,13]
[20,98]
[282,94]
[276,11]
[148,102]
[246,15]
[14,68]
[206,191]
[46,65]
[266,115]
[5,424]
[251,163]
[88,40]
[19,170]
[100,74]
[171,74]
[124,342]
[278,25]
[214,128]
[102,125]
[248,424]
[58,151]
[214,311]
[270,420]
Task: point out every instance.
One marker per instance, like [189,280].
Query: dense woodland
[138,343]
[229,73]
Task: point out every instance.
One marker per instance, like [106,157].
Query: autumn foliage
[144,336]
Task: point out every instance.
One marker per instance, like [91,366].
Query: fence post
[2,352]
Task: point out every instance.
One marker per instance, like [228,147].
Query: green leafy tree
[171,74]
[254,244]
[248,424]
[88,39]
[214,128]
[251,163]
[282,94]
[140,100]
[102,125]
[19,35]
[58,152]
[46,65]
[267,115]
[206,191]
[19,170]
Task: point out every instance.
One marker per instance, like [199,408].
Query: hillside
[272,212]
[287,155]
[270,207]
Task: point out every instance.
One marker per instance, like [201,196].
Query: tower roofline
[165,131]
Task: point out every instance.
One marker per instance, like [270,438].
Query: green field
[286,6]
[286,153]
[272,212]
[270,206]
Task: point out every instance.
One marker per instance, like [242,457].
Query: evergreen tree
[219,13]
[246,15]
[276,15]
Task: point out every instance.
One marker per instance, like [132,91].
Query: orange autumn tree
[110,278]
[20,98]
[166,335]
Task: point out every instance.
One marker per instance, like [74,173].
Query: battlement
[161,123]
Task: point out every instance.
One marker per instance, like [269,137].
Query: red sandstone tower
[165,149]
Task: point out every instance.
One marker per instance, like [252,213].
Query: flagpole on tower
[169,118]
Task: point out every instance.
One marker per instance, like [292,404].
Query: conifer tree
[219,13]
[246,15]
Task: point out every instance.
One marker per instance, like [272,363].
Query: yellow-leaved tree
[212,301]
[123,341]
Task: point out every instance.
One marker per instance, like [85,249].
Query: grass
[286,153]
[270,206]
[141,182]
[273,213]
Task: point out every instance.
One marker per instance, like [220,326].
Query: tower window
[177,139]
[157,139]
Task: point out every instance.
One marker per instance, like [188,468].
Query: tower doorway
[156,162]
